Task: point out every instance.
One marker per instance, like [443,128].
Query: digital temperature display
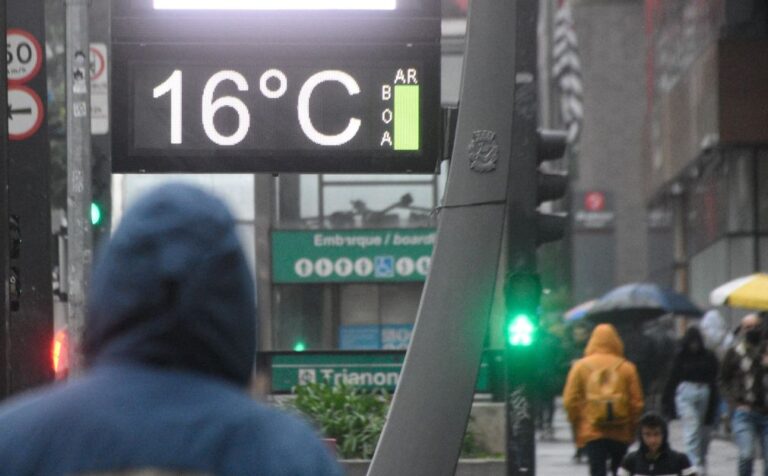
[347,114]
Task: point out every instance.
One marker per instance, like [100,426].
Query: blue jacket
[169,343]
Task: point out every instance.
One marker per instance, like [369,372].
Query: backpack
[607,402]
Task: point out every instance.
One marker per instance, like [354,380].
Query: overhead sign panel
[252,99]
[275,4]
[353,256]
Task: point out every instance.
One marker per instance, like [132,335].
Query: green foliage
[351,415]
[355,417]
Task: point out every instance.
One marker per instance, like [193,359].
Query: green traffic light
[299,346]
[520,331]
[96,214]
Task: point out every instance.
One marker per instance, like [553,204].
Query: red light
[60,354]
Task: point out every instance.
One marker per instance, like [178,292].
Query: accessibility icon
[384,266]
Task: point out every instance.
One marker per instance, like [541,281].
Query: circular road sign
[24,55]
[98,63]
[25,112]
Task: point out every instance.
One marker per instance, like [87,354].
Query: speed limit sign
[24,56]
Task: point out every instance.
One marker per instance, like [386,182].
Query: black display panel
[278,90]
[275,108]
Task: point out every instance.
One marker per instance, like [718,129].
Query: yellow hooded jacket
[604,348]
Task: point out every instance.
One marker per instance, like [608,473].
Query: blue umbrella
[639,301]
[578,312]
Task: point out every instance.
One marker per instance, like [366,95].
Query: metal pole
[523,235]
[4,218]
[429,413]
[78,172]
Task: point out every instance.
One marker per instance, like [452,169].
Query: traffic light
[97,213]
[522,294]
[60,354]
[550,186]
[299,346]
[521,329]
[101,198]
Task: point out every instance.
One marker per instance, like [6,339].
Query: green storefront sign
[365,369]
[351,256]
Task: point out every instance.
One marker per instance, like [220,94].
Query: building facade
[706,141]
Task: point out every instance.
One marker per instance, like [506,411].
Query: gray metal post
[431,406]
[4,216]
[265,218]
[78,172]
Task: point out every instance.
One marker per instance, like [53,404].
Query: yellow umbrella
[748,292]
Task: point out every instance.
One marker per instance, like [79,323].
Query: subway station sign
[352,256]
[363,369]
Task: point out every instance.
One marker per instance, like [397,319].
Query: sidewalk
[553,458]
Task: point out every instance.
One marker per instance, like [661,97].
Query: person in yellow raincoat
[604,400]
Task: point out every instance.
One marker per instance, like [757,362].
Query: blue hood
[172,289]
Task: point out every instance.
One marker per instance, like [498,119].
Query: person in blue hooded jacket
[169,343]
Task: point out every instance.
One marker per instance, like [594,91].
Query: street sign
[24,56]
[334,256]
[99,89]
[25,112]
[256,91]
[369,369]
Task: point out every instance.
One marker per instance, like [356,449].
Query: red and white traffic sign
[24,55]
[98,61]
[594,201]
[99,89]
[25,112]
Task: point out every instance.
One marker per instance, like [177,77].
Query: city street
[554,458]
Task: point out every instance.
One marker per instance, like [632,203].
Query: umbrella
[639,301]
[749,292]
[577,312]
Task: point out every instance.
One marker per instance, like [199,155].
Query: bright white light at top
[275,4]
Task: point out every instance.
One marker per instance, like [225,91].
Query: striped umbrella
[748,292]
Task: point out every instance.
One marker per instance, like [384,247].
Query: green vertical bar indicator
[406,117]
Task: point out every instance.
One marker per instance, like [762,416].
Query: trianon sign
[363,369]
[349,256]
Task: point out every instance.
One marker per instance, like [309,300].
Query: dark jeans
[545,413]
[600,451]
[749,427]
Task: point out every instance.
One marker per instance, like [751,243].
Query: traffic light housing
[550,186]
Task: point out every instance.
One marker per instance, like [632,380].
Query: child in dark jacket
[655,456]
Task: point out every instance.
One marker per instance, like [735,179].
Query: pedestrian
[743,375]
[717,336]
[655,457]
[575,343]
[550,376]
[691,394]
[604,399]
[169,345]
